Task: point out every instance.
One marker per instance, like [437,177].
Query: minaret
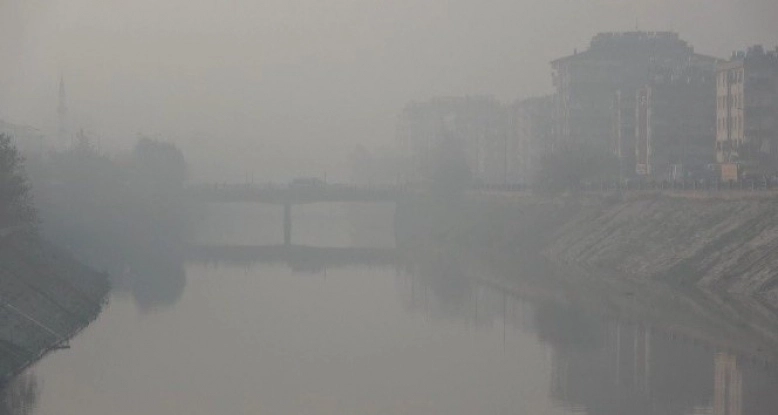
[62,112]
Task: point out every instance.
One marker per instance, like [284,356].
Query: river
[304,333]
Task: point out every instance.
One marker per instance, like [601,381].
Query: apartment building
[747,113]
[595,96]
[478,126]
[674,121]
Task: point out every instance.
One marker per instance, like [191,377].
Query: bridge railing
[753,184]
[345,190]
[291,193]
[285,186]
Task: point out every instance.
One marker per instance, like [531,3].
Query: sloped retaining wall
[46,297]
[725,245]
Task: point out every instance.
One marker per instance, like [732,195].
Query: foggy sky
[288,87]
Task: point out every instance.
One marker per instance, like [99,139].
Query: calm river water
[340,331]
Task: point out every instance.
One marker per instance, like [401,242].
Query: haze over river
[418,337]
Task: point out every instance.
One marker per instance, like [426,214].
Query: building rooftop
[614,44]
[754,54]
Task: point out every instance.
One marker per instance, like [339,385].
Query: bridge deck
[296,194]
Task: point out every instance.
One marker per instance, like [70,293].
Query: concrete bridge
[295,194]
[288,195]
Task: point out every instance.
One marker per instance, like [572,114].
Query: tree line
[104,208]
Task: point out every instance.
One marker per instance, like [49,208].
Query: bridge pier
[287,224]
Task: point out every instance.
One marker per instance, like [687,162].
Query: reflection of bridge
[295,195]
[298,257]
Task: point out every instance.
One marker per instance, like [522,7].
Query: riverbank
[713,242]
[700,265]
[721,245]
[46,298]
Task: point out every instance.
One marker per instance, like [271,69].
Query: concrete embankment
[702,265]
[725,244]
[46,297]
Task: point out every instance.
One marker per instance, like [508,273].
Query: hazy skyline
[277,88]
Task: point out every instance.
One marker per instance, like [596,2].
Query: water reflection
[599,364]
[641,370]
[155,280]
[158,282]
[439,287]
[390,331]
[19,396]
[602,366]
[300,258]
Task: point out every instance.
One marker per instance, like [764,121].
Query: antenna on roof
[637,24]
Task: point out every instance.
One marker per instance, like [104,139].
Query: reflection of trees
[19,396]
[156,281]
[125,214]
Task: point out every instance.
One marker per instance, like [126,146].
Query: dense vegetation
[125,214]
[16,207]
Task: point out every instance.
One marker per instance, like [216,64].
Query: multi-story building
[531,137]
[622,132]
[595,89]
[674,121]
[478,126]
[747,113]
